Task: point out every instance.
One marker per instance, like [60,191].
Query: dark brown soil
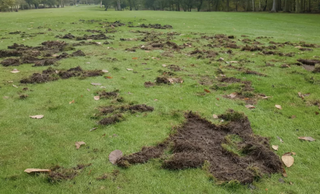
[251,48]
[229,80]
[111,120]
[9,53]
[78,53]
[309,61]
[148,84]
[168,80]
[200,143]
[155,26]
[254,73]
[68,36]
[305,49]
[10,62]
[51,74]
[108,95]
[174,67]
[116,112]
[93,37]
[58,173]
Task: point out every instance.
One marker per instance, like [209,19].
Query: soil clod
[232,151]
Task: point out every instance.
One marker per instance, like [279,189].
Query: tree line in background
[297,6]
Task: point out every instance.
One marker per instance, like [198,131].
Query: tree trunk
[274,6]
[227,5]
[119,5]
[252,5]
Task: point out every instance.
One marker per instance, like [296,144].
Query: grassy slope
[43,143]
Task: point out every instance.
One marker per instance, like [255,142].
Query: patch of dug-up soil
[148,84]
[116,112]
[197,142]
[168,80]
[108,95]
[51,74]
[155,26]
[309,61]
[93,37]
[10,62]
[58,174]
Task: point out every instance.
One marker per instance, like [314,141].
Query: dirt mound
[174,67]
[168,80]
[45,62]
[155,26]
[104,94]
[148,84]
[58,173]
[229,80]
[111,120]
[251,48]
[115,24]
[78,53]
[68,36]
[51,74]
[93,37]
[309,61]
[54,44]
[140,108]
[6,53]
[10,62]
[16,46]
[116,112]
[229,152]
[15,32]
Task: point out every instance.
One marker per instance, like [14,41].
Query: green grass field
[44,143]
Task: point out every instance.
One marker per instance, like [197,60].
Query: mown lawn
[44,143]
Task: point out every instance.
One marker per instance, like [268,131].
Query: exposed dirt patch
[155,26]
[229,80]
[108,95]
[78,53]
[168,80]
[116,112]
[58,173]
[174,67]
[10,62]
[68,36]
[309,61]
[93,37]
[148,84]
[112,119]
[230,151]
[51,74]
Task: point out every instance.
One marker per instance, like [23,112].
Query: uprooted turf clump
[51,74]
[116,112]
[59,173]
[232,151]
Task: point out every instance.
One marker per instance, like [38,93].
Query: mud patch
[148,84]
[51,74]
[168,80]
[10,62]
[154,26]
[108,95]
[174,67]
[231,151]
[116,112]
[309,61]
[59,174]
